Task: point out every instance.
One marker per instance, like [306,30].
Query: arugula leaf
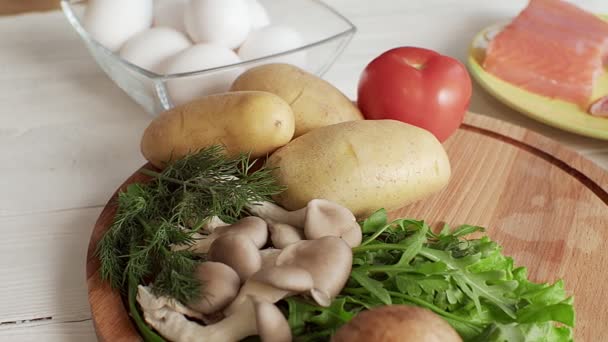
[472,284]
[413,244]
[467,281]
[375,222]
[374,287]
[512,332]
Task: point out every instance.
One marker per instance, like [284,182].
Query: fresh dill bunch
[169,209]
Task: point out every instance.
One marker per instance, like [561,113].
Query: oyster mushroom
[219,286]
[253,227]
[273,213]
[319,267]
[237,251]
[283,235]
[270,322]
[213,223]
[326,218]
[319,218]
[269,256]
[328,260]
[157,303]
[249,314]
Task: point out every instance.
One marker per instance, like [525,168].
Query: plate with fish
[550,63]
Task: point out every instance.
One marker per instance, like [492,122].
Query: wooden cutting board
[545,204]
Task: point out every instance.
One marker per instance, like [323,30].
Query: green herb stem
[380,247]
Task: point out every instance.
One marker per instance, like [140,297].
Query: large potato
[315,102]
[250,121]
[363,165]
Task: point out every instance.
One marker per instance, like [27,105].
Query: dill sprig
[171,207]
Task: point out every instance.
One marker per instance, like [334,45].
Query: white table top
[69,137]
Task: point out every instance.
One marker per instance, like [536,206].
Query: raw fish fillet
[552,48]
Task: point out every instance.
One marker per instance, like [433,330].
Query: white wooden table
[69,137]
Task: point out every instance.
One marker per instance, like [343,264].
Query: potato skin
[362,165]
[315,102]
[249,121]
[397,323]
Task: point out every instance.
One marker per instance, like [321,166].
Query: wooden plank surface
[545,204]
[68,136]
[72,331]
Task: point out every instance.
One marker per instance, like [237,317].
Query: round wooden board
[545,204]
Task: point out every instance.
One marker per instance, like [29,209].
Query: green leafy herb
[168,210]
[469,282]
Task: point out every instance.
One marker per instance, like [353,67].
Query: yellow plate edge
[559,114]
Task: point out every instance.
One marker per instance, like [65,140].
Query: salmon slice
[564,22]
[553,49]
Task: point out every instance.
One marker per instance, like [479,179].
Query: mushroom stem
[151,301]
[174,326]
[271,324]
[240,321]
[213,223]
[273,213]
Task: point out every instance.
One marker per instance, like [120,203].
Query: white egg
[151,48]
[200,57]
[170,13]
[220,22]
[270,40]
[113,22]
[258,14]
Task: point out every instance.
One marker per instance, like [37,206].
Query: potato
[362,165]
[251,121]
[315,102]
[397,323]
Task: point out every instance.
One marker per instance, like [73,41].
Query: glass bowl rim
[68,11]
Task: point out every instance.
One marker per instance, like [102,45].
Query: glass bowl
[325,34]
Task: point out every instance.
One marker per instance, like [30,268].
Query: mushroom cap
[237,251]
[271,324]
[328,259]
[269,256]
[326,218]
[353,236]
[290,278]
[219,286]
[253,227]
[283,235]
[397,323]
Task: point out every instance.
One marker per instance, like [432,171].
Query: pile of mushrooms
[310,255]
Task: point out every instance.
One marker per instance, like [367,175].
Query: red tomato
[416,86]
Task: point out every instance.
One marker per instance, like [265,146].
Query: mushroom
[175,327]
[213,223]
[237,251]
[253,227]
[326,218]
[249,314]
[397,323]
[157,303]
[269,256]
[328,260]
[270,322]
[300,268]
[283,235]
[319,218]
[219,286]
[273,213]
